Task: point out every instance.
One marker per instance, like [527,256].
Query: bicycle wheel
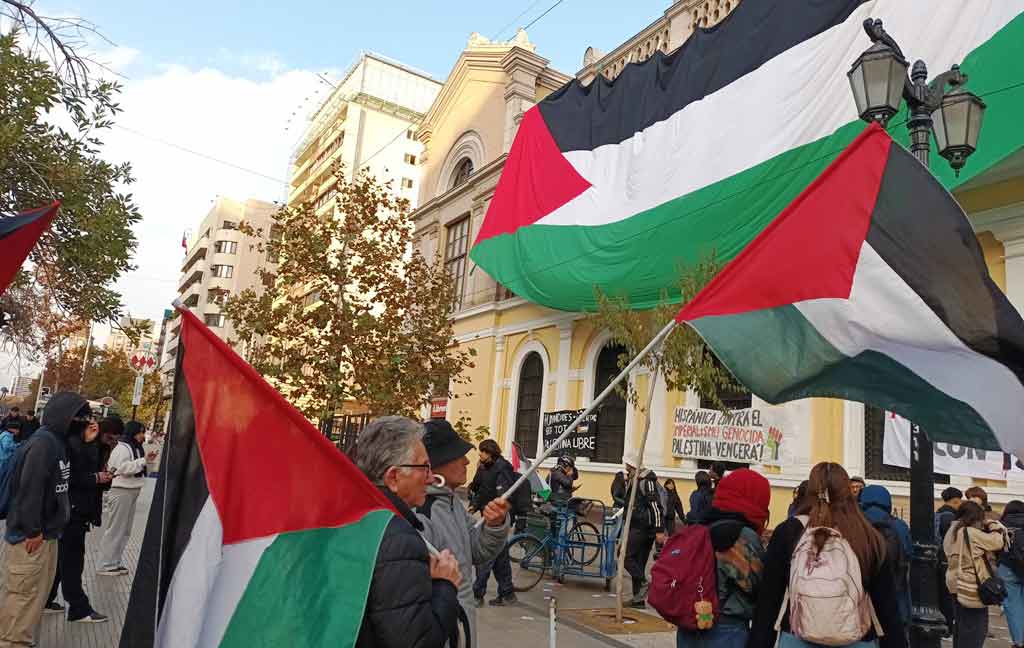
[584,543]
[529,559]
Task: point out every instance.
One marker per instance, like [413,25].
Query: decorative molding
[512,329]
[468,145]
[1006,223]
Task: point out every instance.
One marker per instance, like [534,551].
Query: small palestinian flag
[619,183]
[260,533]
[871,286]
[521,464]
[18,235]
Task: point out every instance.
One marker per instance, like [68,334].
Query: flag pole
[658,339]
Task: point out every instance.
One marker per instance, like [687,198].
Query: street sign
[142,362]
[439,408]
[107,401]
[137,394]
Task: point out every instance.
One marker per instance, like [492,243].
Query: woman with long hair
[673,507]
[1012,572]
[971,545]
[828,504]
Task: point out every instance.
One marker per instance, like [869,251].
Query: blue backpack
[8,454]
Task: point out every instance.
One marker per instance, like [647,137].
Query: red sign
[439,408]
[142,362]
[107,401]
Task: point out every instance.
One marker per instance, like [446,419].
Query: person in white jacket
[127,463]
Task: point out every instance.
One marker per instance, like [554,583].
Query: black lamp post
[879,82]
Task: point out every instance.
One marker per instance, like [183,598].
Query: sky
[209,87]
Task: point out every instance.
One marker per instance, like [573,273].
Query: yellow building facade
[531,360]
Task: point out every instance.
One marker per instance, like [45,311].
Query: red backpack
[684,586]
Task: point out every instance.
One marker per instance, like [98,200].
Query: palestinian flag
[617,184]
[871,286]
[260,533]
[18,235]
[521,464]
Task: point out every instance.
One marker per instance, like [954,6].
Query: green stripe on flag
[310,588]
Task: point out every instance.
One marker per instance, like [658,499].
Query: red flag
[18,235]
[184,242]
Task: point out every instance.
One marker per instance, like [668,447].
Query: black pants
[70,563]
[502,568]
[670,526]
[638,549]
[946,600]
[971,627]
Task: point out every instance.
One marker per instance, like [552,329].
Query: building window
[214,320]
[217,296]
[311,298]
[410,134]
[410,158]
[463,170]
[455,257]
[274,243]
[223,271]
[611,413]
[225,247]
[229,225]
[406,183]
[531,387]
[733,399]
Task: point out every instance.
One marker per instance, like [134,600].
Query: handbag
[991,591]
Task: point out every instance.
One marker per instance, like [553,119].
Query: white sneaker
[112,571]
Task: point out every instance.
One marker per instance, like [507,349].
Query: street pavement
[522,624]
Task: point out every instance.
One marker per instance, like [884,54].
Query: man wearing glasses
[413,598]
[38,510]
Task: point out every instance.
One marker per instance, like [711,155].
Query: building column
[656,438]
[497,383]
[1014,251]
[564,355]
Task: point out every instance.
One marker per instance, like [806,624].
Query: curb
[578,627]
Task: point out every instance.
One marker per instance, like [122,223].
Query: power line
[511,22]
[532,22]
[199,154]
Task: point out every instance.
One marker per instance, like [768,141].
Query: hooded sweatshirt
[128,459]
[39,482]
[447,525]
[876,503]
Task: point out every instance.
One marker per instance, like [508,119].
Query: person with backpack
[798,603]
[494,475]
[10,438]
[876,502]
[944,516]
[673,508]
[447,524]
[561,479]
[127,463]
[972,545]
[38,509]
[1011,570]
[713,569]
[700,499]
[647,525]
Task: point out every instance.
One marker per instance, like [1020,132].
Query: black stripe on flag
[583,117]
[921,232]
[179,497]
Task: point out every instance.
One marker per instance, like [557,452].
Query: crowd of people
[840,528]
[60,476]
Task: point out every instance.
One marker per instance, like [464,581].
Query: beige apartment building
[531,360]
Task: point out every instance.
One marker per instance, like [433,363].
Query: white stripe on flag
[796,98]
[884,314]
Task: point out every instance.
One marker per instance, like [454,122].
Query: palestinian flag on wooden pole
[19,233]
[616,184]
[871,286]
[260,533]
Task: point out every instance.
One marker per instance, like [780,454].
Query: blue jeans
[1013,606]
[787,640]
[723,635]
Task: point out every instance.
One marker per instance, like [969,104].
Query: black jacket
[700,503]
[39,500]
[561,484]
[673,506]
[490,481]
[777,560]
[647,513]
[405,607]
[86,492]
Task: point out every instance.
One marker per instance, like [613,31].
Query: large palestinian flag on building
[617,184]
[19,233]
[260,533]
[871,286]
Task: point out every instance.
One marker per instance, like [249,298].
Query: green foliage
[687,362]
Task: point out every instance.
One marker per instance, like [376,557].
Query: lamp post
[880,82]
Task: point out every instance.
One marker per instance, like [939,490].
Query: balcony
[197,256]
[192,300]
[196,277]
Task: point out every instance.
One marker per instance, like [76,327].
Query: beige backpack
[826,597]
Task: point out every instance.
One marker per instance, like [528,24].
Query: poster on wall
[950,459]
[740,436]
[580,443]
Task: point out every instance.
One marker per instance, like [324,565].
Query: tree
[686,362]
[52,115]
[350,313]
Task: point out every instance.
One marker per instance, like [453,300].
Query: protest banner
[580,443]
[950,459]
[740,436]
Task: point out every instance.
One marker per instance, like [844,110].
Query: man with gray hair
[413,597]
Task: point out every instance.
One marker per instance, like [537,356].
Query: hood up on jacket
[745,492]
[61,410]
[876,502]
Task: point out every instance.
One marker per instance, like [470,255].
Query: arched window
[611,418]
[531,387]
[463,170]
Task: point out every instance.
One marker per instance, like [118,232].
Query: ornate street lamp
[879,80]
